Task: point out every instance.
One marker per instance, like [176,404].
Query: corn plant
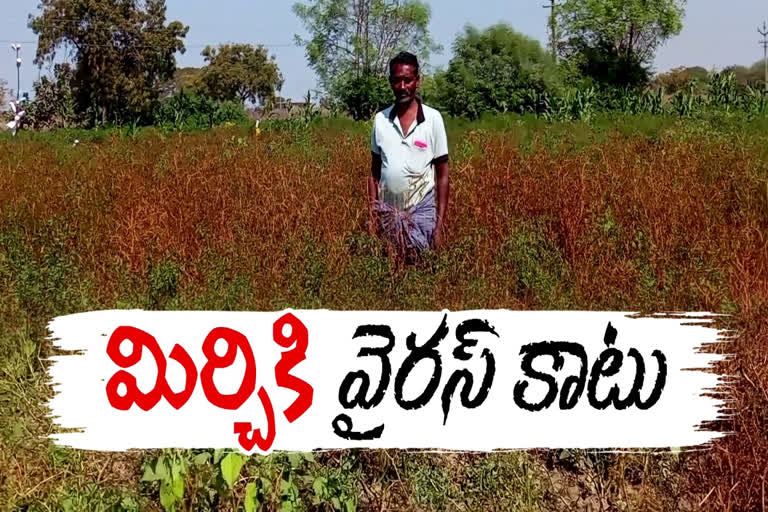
[686,101]
[722,90]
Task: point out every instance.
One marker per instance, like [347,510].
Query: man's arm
[373,190]
[443,185]
[442,178]
[373,179]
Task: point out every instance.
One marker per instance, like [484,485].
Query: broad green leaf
[295,459]
[251,498]
[176,470]
[336,503]
[178,487]
[349,505]
[289,489]
[161,469]
[149,475]
[230,467]
[201,458]
[167,497]
[320,486]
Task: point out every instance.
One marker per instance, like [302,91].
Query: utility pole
[17,48]
[552,27]
[764,42]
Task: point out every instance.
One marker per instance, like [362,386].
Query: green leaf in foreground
[251,499]
[230,467]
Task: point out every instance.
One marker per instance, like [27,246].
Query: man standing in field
[409,150]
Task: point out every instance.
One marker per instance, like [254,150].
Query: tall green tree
[351,42]
[633,28]
[614,41]
[494,70]
[239,72]
[123,52]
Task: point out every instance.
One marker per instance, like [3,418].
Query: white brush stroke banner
[393,419]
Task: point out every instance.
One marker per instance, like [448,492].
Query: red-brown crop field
[669,216]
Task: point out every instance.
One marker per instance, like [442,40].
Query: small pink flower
[421,144]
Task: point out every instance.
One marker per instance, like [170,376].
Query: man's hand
[373,192]
[372,220]
[437,238]
[442,172]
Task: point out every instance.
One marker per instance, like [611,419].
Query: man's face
[404,82]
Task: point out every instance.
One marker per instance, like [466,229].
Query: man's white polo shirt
[408,159]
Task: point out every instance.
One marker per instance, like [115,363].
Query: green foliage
[606,66]
[748,75]
[433,87]
[163,283]
[195,111]
[722,90]
[239,72]
[169,470]
[679,78]
[184,79]
[574,105]
[494,71]
[40,280]
[97,498]
[612,42]
[230,468]
[54,104]
[216,479]
[365,95]
[634,28]
[351,39]
[538,266]
[123,52]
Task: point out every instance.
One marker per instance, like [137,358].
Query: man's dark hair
[405,58]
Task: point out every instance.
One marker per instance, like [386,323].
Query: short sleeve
[440,140]
[374,144]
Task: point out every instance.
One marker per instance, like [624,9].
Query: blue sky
[716,33]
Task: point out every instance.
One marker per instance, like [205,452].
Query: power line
[268,45]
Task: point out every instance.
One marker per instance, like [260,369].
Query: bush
[365,95]
[54,103]
[497,70]
[195,111]
[605,67]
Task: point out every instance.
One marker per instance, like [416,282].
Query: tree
[122,49]
[184,79]
[620,36]
[240,72]
[679,78]
[752,75]
[351,42]
[495,70]
[365,95]
[54,103]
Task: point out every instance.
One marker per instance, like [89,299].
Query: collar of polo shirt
[419,115]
